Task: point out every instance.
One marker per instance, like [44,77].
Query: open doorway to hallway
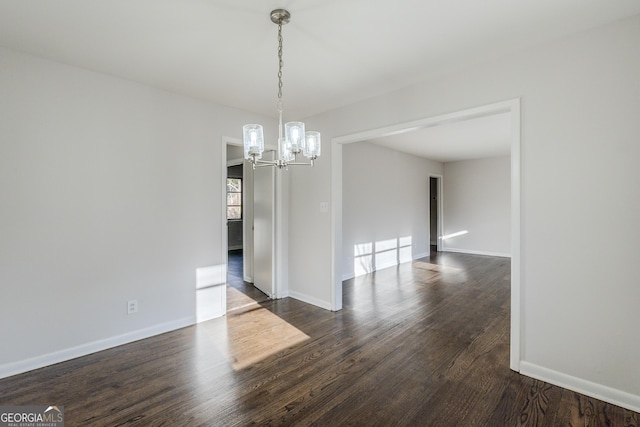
[435,216]
[239,220]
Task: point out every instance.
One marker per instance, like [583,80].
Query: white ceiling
[474,138]
[335,52]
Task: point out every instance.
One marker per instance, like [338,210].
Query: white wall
[109,191]
[385,215]
[477,200]
[580,129]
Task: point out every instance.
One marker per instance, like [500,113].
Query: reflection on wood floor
[423,344]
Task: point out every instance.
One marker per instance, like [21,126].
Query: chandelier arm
[263,163]
[309,163]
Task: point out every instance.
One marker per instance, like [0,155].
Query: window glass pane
[234,212]
[234,199]
[234,185]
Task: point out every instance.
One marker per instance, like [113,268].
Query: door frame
[270,288]
[280,277]
[247,211]
[511,106]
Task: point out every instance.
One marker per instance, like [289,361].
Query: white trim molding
[579,385]
[309,300]
[10,369]
[472,252]
[516,256]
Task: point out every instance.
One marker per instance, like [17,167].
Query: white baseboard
[310,300]
[14,368]
[351,274]
[473,252]
[597,391]
[391,264]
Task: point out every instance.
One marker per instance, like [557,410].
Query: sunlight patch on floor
[435,267]
[254,333]
[237,301]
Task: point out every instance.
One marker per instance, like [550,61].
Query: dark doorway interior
[235,216]
[235,275]
[433,213]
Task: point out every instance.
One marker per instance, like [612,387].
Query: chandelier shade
[253,136]
[294,134]
[311,148]
[292,137]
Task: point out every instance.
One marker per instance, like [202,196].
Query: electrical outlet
[132,306]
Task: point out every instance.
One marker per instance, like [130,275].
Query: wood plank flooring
[423,344]
[239,292]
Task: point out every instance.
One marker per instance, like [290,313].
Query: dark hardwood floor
[423,344]
[240,294]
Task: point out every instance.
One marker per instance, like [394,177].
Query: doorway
[512,107]
[238,229]
[235,222]
[435,217]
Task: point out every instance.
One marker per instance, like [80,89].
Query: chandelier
[292,138]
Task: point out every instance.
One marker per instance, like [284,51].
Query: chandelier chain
[280,64]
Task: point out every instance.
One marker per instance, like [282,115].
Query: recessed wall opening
[509,110]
